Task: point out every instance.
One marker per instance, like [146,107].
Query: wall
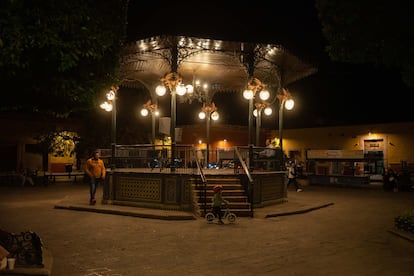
[397,139]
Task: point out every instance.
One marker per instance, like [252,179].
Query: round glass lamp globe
[110,95]
[106,106]
[215,116]
[264,95]
[268,111]
[248,94]
[189,88]
[144,112]
[160,90]
[202,115]
[181,90]
[289,104]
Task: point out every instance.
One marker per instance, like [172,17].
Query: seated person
[269,151]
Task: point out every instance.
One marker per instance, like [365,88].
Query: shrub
[405,221]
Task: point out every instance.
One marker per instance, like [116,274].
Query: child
[217,201]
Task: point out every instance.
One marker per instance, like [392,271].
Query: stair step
[231,199]
[225,186]
[225,193]
[232,206]
[233,191]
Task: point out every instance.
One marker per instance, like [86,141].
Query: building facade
[377,146]
[381,145]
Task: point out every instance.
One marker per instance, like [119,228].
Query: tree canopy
[377,32]
[56,56]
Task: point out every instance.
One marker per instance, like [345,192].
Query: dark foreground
[350,235]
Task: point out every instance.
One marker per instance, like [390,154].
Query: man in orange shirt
[95,169]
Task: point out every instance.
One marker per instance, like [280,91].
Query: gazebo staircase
[233,191]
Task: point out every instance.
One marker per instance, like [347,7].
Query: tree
[376,32]
[57,56]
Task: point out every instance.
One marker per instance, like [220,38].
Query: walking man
[95,169]
[292,173]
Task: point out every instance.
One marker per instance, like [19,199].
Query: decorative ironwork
[219,61]
[131,188]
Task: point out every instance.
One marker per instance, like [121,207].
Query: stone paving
[320,231]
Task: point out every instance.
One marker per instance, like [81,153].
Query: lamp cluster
[110,97]
[148,108]
[209,110]
[110,105]
[194,91]
[285,99]
[173,82]
[264,106]
[253,86]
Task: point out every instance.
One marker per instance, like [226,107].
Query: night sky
[339,94]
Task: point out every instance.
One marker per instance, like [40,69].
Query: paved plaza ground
[320,231]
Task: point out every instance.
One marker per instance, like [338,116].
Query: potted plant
[405,221]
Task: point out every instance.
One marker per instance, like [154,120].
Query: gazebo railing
[158,158]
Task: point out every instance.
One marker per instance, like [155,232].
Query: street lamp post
[253,86]
[258,123]
[261,108]
[110,105]
[287,102]
[208,112]
[152,109]
[174,83]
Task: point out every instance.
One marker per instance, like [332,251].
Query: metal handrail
[249,176]
[203,181]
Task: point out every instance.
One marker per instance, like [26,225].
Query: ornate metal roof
[225,65]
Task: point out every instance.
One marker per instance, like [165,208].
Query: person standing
[217,201]
[95,169]
[390,180]
[292,174]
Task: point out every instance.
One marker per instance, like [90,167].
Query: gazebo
[174,63]
[228,66]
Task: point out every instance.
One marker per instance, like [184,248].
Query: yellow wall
[61,160]
[398,139]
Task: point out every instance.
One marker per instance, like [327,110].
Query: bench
[60,167]
[51,176]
